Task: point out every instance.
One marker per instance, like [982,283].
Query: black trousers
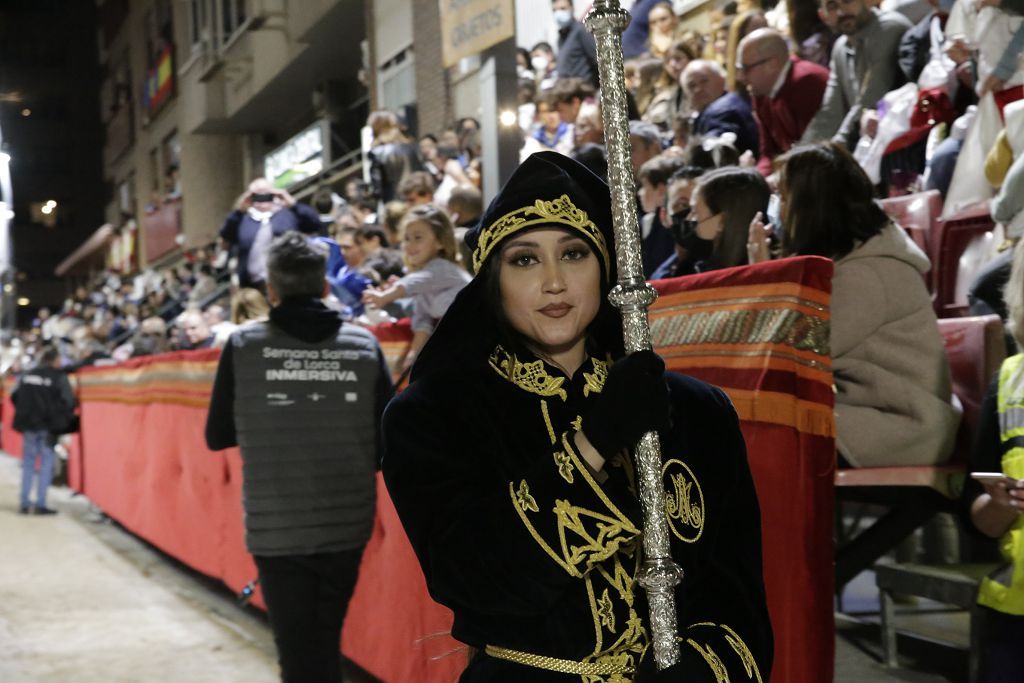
[307,597]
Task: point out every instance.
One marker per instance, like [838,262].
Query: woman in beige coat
[894,402]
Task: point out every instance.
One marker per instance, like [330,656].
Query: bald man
[718,111]
[786,91]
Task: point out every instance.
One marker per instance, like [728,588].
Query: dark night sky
[50,119]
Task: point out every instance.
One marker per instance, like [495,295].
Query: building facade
[202,96]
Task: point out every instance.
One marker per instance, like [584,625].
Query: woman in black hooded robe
[508,460]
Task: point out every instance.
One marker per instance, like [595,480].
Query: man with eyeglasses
[786,91]
[864,68]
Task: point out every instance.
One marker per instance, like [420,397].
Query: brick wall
[433,91]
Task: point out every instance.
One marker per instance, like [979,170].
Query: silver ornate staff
[632,295]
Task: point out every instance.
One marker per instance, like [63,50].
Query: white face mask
[563,17]
[539,63]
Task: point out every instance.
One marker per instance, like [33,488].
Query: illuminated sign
[297,159]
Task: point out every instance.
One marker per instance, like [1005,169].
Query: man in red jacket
[786,91]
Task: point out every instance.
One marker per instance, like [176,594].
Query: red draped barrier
[757,332]
[761,334]
[148,467]
[10,440]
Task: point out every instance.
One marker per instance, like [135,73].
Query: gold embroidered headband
[560,211]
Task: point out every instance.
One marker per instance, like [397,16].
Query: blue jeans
[36,444]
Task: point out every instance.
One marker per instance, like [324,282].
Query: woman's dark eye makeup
[526,256]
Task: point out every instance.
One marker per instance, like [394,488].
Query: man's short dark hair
[467,200]
[322,200]
[369,232]
[565,90]
[658,170]
[686,173]
[296,267]
[48,356]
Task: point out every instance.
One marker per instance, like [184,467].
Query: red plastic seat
[951,238]
[917,214]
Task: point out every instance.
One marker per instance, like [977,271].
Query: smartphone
[262,197]
[992,476]
[774,216]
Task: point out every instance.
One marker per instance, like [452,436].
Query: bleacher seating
[951,237]
[917,214]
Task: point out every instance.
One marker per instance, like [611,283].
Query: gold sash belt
[564,666]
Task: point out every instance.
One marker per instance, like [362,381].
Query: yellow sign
[469,27]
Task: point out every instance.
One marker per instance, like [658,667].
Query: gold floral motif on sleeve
[743,652]
[564,464]
[524,499]
[713,660]
[530,377]
[595,380]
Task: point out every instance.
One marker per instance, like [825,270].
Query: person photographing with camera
[262,213]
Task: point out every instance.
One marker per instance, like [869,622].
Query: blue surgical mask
[563,17]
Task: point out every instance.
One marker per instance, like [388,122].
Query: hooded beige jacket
[893,388]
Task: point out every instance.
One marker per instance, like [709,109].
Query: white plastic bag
[969,185]
[898,105]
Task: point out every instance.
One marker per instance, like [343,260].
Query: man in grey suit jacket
[863,67]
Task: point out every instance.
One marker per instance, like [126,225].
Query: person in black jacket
[509,461]
[43,408]
[577,51]
[393,156]
[302,395]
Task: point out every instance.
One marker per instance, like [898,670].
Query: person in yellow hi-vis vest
[995,503]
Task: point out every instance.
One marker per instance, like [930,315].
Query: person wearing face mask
[577,51]
[723,204]
[542,62]
[678,195]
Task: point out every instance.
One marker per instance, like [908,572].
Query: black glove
[634,401]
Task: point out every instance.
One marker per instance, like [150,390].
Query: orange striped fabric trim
[759,292]
[773,407]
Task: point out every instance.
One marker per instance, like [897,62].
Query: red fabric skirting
[148,467]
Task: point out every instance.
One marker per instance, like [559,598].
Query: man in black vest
[43,407]
[302,394]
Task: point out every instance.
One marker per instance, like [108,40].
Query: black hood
[306,319]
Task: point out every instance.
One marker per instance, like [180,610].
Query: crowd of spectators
[887,100]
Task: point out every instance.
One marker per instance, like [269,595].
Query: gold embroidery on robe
[525,500]
[606,611]
[595,380]
[684,501]
[713,660]
[744,653]
[530,377]
[564,464]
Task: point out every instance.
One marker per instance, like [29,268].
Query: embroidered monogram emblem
[684,501]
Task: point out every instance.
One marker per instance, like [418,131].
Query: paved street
[83,601]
